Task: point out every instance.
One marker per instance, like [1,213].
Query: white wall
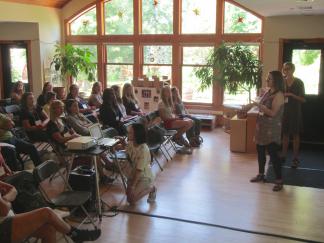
[288,27]
[48,32]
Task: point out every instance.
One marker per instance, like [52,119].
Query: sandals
[259,178]
[295,163]
[277,187]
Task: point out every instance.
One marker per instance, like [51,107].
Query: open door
[14,67]
[308,57]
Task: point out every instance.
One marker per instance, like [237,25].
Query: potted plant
[70,61]
[233,66]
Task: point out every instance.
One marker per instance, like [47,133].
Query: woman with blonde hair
[57,129]
[130,101]
[95,98]
[182,125]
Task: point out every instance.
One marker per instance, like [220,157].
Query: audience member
[57,129]
[33,119]
[17,91]
[49,98]
[47,87]
[130,101]
[82,103]
[77,120]
[193,134]
[21,146]
[182,125]
[41,223]
[268,128]
[119,100]
[292,117]
[95,98]
[109,112]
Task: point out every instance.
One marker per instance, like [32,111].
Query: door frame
[316,43]
[27,43]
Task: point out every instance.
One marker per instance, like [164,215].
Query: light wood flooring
[207,197]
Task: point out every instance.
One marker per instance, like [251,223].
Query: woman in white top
[141,179]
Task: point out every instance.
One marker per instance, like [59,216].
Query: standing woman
[109,112]
[34,120]
[17,91]
[268,128]
[48,87]
[292,118]
[95,98]
[130,101]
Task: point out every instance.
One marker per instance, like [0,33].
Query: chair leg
[157,161]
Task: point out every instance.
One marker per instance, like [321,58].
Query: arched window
[162,38]
[85,24]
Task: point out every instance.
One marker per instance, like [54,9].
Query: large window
[238,20]
[198,16]
[157,61]
[119,18]
[163,38]
[157,17]
[85,24]
[119,68]
[82,80]
[194,57]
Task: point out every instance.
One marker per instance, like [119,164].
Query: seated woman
[84,108]
[182,125]
[141,178]
[119,100]
[49,98]
[48,87]
[77,120]
[95,98]
[17,91]
[109,112]
[57,129]
[41,223]
[130,102]
[34,120]
[180,110]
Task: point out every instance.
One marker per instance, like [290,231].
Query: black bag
[29,197]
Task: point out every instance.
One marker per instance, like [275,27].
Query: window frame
[176,40]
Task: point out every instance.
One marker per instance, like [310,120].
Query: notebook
[97,134]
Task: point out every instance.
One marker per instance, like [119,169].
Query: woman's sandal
[295,163]
[277,187]
[258,178]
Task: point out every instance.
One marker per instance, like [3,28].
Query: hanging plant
[234,67]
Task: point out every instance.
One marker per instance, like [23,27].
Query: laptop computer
[97,134]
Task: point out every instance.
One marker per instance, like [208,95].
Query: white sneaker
[152,196]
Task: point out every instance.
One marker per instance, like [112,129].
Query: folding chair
[69,199]
[155,139]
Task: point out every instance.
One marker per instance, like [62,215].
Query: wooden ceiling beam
[45,3]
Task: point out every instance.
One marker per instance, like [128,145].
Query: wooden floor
[207,197]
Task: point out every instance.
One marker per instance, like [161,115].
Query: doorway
[14,66]
[308,57]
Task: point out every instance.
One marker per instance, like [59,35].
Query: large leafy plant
[70,61]
[234,67]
